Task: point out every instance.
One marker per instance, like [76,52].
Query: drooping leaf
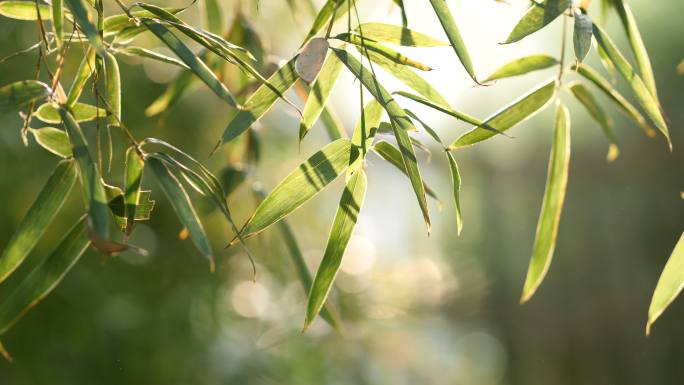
[82,112]
[332,124]
[537,17]
[38,218]
[19,94]
[552,205]
[670,284]
[523,66]
[449,25]
[54,140]
[392,155]
[318,96]
[585,97]
[363,135]
[180,201]
[336,7]
[646,100]
[631,111]
[515,113]
[24,10]
[57,11]
[581,37]
[132,182]
[85,20]
[149,54]
[113,87]
[445,108]
[172,93]
[605,61]
[340,233]
[302,184]
[45,277]
[456,183]
[364,45]
[398,35]
[85,71]
[213,16]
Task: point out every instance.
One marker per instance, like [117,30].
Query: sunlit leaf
[589,102]
[45,277]
[57,12]
[456,183]
[515,113]
[318,96]
[449,25]
[213,16]
[113,86]
[368,45]
[537,17]
[132,180]
[340,233]
[38,218]
[149,54]
[19,94]
[523,66]
[552,205]
[445,108]
[363,135]
[24,10]
[54,140]
[398,35]
[392,155]
[336,7]
[172,94]
[85,20]
[581,37]
[82,112]
[670,284]
[84,72]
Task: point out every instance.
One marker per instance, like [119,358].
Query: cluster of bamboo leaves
[252,85]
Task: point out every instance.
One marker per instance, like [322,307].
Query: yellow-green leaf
[54,140]
[523,66]
[449,25]
[585,97]
[132,182]
[318,96]
[456,183]
[57,13]
[670,284]
[363,135]
[113,86]
[82,112]
[398,35]
[24,10]
[85,70]
[364,45]
[85,20]
[537,17]
[19,94]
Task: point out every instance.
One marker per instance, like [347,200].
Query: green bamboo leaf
[116,24]
[605,61]
[91,182]
[57,12]
[19,94]
[302,184]
[631,111]
[82,112]
[589,102]
[392,155]
[113,86]
[456,182]
[404,18]
[143,210]
[401,125]
[515,113]
[638,46]
[670,284]
[581,37]
[149,54]
[445,108]
[324,15]
[180,201]
[332,124]
[213,16]
[427,128]
[364,44]
[320,91]
[647,101]
[537,17]
[260,102]
[523,66]
[132,181]
[54,140]
[397,35]
[196,64]
[45,277]
[449,25]
[552,205]
[172,94]
[85,21]
[364,133]
[85,71]
[40,215]
[24,10]
[340,233]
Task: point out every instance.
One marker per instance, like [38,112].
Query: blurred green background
[442,310]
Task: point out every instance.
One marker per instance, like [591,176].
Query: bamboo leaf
[397,35]
[364,133]
[302,184]
[19,94]
[213,16]
[180,201]
[637,85]
[583,95]
[45,277]
[320,91]
[38,218]
[523,66]
[172,94]
[445,108]
[515,113]
[670,284]
[113,86]
[57,13]
[631,111]
[54,140]
[24,10]
[340,233]
[324,15]
[378,49]
[456,183]
[392,155]
[449,25]
[581,37]
[82,112]
[85,21]
[537,17]
[132,181]
[149,54]
[85,71]
[552,205]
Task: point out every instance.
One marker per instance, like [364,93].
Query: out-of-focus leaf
[364,44]
[404,18]
[605,61]
[310,60]
[392,155]
[589,102]
[670,284]
[398,35]
[19,94]
[319,93]
[631,111]
[132,181]
[85,70]
[82,112]
[149,54]
[456,183]
[57,11]
[143,210]
[45,277]
[324,15]
[116,24]
[213,16]
[515,113]
[93,191]
[401,124]
[552,205]
[85,21]
[302,184]
[113,86]
[537,17]
[332,124]
[523,66]
[260,102]
[24,10]
[340,233]
[180,201]
[449,25]
[172,93]
[581,37]
[38,218]
[647,101]
[54,140]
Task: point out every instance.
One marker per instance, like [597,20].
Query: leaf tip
[5,354]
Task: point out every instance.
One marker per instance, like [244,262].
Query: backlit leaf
[363,135]
[85,70]
[670,284]
[149,54]
[589,102]
[537,17]
[132,181]
[392,155]
[523,66]
[398,35]
[113,86]
[57,12]
[24,10]
[213,16]
[82,112]
[449,25]
[456,183]
[85,20]
[54,140]
[19,94]
[368,45]
[319,93]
